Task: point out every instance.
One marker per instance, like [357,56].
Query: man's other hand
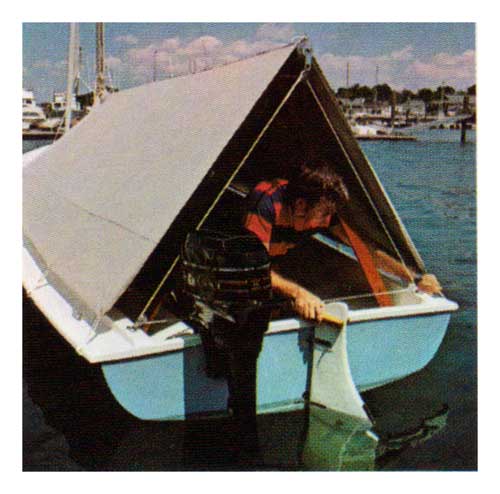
[308,306]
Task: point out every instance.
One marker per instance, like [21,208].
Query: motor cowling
[227,277]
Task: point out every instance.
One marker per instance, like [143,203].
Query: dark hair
[314,181]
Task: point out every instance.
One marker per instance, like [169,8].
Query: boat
[32,113]
[373,132]
[57,112]
[50,124]
[108,206]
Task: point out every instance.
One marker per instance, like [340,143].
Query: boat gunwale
[84,338]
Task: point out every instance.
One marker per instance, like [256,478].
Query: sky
[408,55]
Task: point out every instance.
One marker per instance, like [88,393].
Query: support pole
[100,81]
[393,108]
[73,46]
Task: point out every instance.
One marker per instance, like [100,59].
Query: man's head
[315,191]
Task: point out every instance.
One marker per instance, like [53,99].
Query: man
[282,212]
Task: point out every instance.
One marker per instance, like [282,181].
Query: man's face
[306,217]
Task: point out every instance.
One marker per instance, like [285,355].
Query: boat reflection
[338,442]
[322,440]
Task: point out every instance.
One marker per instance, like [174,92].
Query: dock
[40,135]
[385,138]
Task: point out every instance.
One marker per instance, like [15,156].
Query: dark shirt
[271,219]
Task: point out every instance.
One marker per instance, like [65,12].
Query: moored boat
[32,113]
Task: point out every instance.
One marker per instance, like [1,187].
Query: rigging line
[351,164]
[95,329]
[299,79]
[41,283]
[365,295]
[84,82]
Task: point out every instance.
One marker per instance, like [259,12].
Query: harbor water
[427,421]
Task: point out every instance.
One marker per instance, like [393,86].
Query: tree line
[384,93]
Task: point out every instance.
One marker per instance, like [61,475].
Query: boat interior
[321,264]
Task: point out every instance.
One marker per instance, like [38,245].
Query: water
[432,183]
[427,421]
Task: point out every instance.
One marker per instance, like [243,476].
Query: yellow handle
[332,319]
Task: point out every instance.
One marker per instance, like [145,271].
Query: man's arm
[305,303]
[428,282]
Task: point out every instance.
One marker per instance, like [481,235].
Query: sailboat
[108,206]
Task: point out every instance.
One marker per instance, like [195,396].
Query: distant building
[344,102]
[353,108]
[358,103]
[412,107]
[455,103]
[28,98]
[58,104]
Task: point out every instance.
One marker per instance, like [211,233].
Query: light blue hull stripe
[174,385]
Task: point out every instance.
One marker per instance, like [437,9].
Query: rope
[300,78]
[367,263]
[364,295]
[358,177]
[41,282]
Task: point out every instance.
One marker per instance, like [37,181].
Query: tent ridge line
[108,220]
[391,213]
[351,164]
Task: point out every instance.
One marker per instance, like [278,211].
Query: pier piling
[463,132]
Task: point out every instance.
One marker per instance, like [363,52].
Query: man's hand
[307,305]
[429,284]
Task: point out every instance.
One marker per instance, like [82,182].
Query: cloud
[175,56]
[362,70]
[113,62]
[400,69]
[204,45]
[276,32]
[454,70]
[127,39]
[140,56]
[170,44]
[245,48]
[405,54]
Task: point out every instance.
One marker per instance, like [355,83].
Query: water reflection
[322,440]
[338,442]
[392,445]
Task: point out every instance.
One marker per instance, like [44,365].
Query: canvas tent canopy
[115,197]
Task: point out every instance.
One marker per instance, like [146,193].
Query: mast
[78,70]
[100,80]
[72,60]
[154,65]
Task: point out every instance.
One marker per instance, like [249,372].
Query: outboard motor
[228,279]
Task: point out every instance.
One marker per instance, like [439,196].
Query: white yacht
[32,113]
